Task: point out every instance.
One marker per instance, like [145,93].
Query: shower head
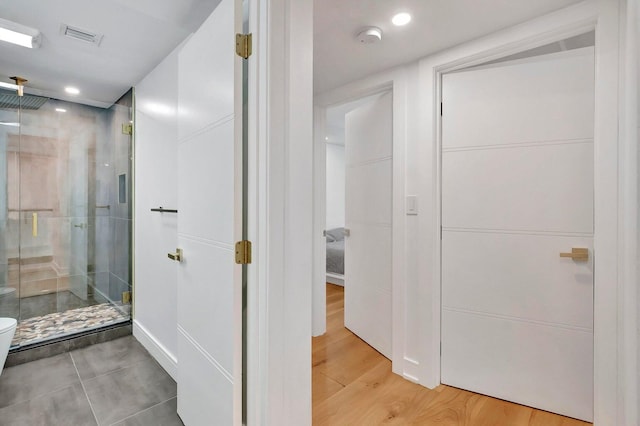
[10,100]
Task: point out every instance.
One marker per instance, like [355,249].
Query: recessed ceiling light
[4,123]
[401,19]
[72,90]
[61,110]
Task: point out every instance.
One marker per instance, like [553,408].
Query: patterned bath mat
[64,323]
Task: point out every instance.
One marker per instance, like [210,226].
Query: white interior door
[209,222]
[517,190]
[367,275]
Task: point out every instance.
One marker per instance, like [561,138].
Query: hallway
[353,385]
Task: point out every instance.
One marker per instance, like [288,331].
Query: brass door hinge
[243,45]
[243,252]
[127,129]
[126,297]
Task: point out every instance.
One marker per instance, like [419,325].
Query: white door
[517,190]
[367,269]
[209,222]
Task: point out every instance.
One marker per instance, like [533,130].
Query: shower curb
[28,353]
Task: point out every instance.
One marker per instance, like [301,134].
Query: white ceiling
[138,34]
[437,24]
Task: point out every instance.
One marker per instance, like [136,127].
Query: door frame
[395,84]
[280,121]
[610,349]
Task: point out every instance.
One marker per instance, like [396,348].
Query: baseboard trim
[165,358]
[336,279]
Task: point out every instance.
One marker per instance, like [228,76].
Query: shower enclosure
[65,215]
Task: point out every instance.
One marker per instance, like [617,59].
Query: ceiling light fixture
[9,86]
[401,19]
[4,123]
[72,90]
[61,110]
[19,34]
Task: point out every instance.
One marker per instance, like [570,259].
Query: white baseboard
[336,279]
[165,358]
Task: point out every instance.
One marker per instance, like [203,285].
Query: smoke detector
[80,34]
[370,35]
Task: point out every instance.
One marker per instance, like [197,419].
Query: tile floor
[112,383]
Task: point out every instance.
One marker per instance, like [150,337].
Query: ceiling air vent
[80,34]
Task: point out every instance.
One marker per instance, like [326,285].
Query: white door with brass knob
[517,237]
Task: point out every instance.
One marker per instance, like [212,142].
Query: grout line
[84,390]
[40,395]
[119,369]
[142,411]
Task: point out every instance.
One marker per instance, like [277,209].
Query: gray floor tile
[67,406]
[164,414]
[107,357]
[27,381]
[123,393]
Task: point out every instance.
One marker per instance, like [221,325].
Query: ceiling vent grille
[80,34]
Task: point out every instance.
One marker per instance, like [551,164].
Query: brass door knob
[177,256]
[577,254]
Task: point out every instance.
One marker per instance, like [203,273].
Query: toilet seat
[7,325]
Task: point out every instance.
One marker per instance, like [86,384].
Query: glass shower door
[57,146]
[9,208]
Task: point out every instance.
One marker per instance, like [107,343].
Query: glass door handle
[80,225]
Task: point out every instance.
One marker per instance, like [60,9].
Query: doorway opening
[328,390]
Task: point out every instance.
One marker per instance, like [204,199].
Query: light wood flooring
[353,385]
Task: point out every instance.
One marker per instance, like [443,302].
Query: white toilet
[7,329]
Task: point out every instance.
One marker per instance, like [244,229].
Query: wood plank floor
[353,385]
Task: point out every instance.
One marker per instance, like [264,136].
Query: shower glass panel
[9,190]
[64,255]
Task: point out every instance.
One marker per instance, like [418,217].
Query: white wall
[156,140]
[335,186]
[637,106]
